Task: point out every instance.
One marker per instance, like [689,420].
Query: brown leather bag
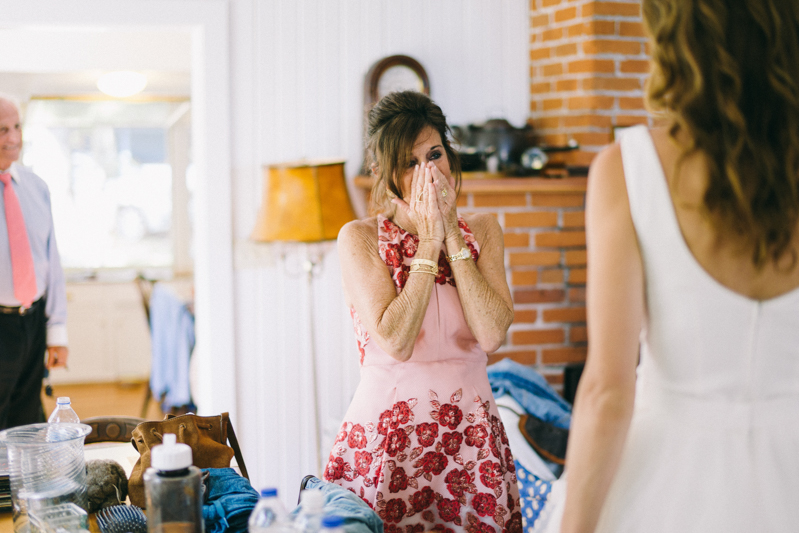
[207,436]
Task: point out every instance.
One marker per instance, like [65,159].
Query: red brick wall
[545,261]
[588,64]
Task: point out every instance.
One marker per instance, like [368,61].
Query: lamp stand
[309,265]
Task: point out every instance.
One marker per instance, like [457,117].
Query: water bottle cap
[269,492]
[63,400]
[312,500]
[331,521]
[171,455]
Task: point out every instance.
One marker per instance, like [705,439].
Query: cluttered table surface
[121,452]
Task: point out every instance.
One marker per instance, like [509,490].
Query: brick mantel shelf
[493,185]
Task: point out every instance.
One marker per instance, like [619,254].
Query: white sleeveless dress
[713,445]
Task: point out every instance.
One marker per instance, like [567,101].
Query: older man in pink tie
[32,291]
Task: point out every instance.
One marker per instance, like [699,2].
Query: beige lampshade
[303,201]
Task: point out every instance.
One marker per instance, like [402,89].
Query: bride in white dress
[693,255]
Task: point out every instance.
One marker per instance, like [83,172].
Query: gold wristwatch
[464,253]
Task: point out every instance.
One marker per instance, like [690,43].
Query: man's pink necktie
[21,259]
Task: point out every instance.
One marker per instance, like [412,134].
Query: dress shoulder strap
[647,190]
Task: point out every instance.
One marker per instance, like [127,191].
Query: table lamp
[305,201]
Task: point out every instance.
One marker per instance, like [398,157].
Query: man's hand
[57,356]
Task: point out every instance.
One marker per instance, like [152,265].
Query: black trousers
[23,343]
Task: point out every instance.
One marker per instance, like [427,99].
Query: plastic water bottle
[309,520]
[63,412]
[332,524]
[269,514]
[173,489]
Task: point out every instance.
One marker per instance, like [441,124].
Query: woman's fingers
[402,204]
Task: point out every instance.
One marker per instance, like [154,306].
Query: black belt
[20,310]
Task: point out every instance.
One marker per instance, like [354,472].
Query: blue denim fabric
[228,500]
[531,390]
[358,517]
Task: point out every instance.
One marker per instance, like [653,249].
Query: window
[110,171]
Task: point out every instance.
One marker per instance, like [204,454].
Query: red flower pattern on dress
[422,499]
[452,442]
[397,247]
[444,270]
[399,480]
[459,482]
[449,510]
[357,438]
[491,474]
[476,436]
[464,498]
[402,276]
[480,527]
[395,510]
[396,442]
[400,414]
[361,335]
[363,463]
[509,461]
[427,433]
[334,469]
[393,255]
[441,528]
[433,463]
[385,422]
[485,504]
[492,445]
[450,416]
[409,245]
[514,525]
[391,230]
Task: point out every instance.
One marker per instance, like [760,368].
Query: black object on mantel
[513,149]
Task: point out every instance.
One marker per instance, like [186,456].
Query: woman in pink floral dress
[422,442]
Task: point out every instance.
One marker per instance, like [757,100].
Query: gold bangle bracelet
[427,262]
[425,269]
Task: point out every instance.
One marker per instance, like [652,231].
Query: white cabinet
[109,339]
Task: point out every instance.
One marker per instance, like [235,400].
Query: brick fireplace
[588,65]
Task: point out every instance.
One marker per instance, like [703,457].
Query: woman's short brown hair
[395,122]
[727,73]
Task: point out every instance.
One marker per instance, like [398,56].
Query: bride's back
[725,76]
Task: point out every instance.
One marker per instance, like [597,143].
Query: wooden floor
[104,399]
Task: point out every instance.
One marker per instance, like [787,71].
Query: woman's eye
[434,156]
[412,163]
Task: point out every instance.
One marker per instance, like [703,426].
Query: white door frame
[207,20]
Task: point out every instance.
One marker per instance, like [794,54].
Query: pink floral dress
[422,442]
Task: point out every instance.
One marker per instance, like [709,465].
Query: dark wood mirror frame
[372,81]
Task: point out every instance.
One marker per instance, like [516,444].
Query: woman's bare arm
[393,321]
[615,308]
[482,286]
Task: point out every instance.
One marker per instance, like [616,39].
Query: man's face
[10,134]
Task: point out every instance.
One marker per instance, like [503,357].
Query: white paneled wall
[297,74]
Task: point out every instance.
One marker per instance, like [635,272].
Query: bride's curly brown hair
[727,73]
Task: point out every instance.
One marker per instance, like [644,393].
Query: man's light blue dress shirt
[34,199]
